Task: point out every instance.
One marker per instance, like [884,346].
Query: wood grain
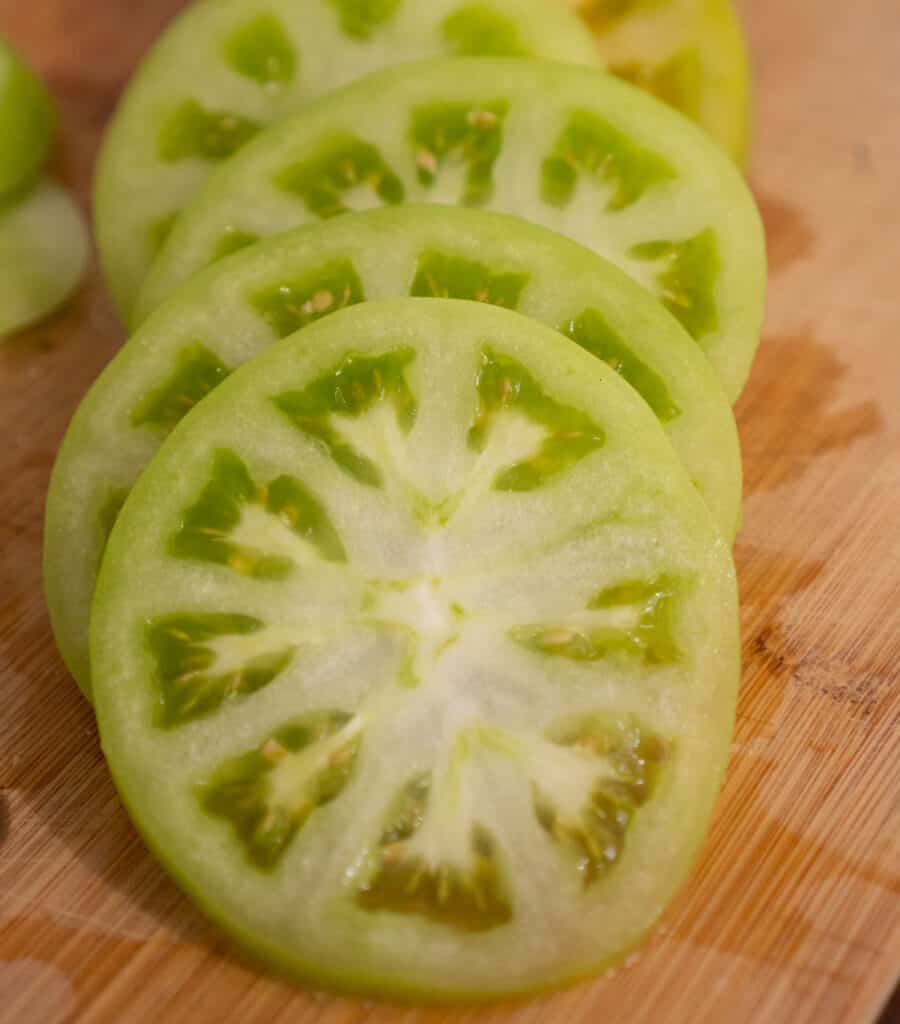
[793,913]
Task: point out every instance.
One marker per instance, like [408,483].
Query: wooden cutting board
[793,912]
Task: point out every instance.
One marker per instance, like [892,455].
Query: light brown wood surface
[793,912]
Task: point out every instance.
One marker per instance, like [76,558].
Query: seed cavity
[262,50]
[445,276]
[289,305]
[360,18]
[686,279]
[233,240]
[589,780]
[634,619]
[220,529]
[193,133]
[505,386]
[464,892]
[478,30]
[454,137]
[592,146]
[356,386]
[203,660]
[344,173]
[197,371]
[269,793]
[677,81]
[592,332]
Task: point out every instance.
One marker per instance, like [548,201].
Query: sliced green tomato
[227,68]
[416,655]
[26,122]
[689,53]
[43,252]
[272,289]
[567,147]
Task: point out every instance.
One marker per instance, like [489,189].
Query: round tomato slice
[26,123]
[43,252]
[415,655]
[567,147]
[689,53]
[242,304]
[225,69]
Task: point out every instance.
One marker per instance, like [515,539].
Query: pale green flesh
[43,253]
[26,123]
[226,68]
[377,709]
[569,148]
[43,241]
[689,53]
[238,307]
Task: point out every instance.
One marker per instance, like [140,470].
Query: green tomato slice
[567,147]
[416,655]
[689,53]
[227,68]
[26,123]
[240,305]
[44,250]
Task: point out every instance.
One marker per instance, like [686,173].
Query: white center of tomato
[425,617]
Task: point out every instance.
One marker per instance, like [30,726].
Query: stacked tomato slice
[393,547]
